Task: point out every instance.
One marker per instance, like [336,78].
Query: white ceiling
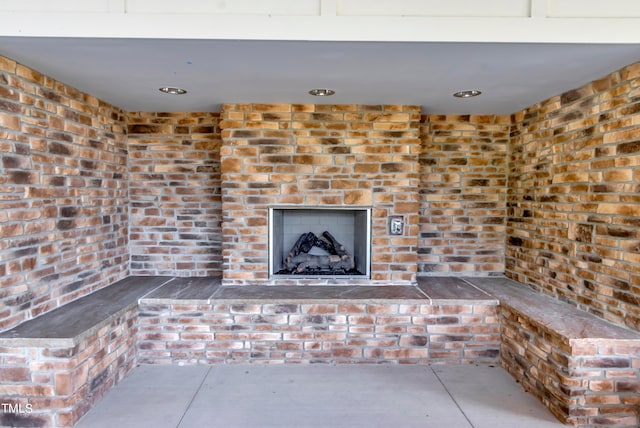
[128,72]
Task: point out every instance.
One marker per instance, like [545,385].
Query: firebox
[319,242]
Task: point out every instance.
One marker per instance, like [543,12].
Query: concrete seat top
[555,316]
[66,325]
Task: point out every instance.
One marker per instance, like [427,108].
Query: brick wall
[572,203]
[328,155]
[574,211]
[63,193]
[343,332]
[463,191]
[175,213]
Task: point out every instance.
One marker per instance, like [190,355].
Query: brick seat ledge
[62,361]
[583,368]
[70,324]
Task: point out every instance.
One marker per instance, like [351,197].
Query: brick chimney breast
[319,156]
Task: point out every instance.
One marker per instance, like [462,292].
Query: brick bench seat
[583,368]
[62,361]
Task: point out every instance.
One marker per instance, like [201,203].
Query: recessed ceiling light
[318,92]
[467,94]
[172,91]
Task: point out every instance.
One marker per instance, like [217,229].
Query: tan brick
[7,64]
[231,165]
[357,197]
[622,135]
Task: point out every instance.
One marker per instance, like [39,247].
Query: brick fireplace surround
[313,155]
[547,196]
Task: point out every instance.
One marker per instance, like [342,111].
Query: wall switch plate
[396,225]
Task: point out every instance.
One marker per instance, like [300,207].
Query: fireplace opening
[319,242]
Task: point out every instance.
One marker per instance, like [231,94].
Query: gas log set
[336,261]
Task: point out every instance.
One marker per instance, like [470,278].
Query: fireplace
[356,167]
[319,242]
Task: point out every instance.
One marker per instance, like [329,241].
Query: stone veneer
[174,194]
[63,194]
[319,155]
[573,230]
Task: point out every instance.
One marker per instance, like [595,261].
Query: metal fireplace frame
[364,223]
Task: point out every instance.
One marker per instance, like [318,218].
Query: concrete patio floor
[318,396]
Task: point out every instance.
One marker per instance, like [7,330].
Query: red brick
[319,309]
[14,374]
